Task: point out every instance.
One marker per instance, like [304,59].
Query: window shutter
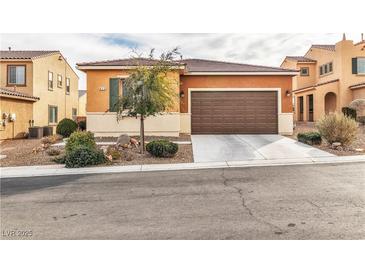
[113,93]
[354,65]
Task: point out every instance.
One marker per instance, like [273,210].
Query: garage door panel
[223,112]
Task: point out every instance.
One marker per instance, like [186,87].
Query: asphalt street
[283,202]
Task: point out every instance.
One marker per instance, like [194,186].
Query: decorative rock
[134,142]
[123,140]
[336,144]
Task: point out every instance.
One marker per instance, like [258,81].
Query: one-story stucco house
[213,97]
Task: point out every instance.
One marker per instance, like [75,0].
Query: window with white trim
[50,80]
[361,65]
[52,114]
[67,85]
[326,68]
[59,80]
[16,75]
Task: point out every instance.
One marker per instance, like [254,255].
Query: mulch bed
[349,151]
[20,153]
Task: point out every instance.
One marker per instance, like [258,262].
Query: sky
[260,49]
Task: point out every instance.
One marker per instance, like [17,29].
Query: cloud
[262,49]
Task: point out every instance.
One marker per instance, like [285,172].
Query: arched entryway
[330,102]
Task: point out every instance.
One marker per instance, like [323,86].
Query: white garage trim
[285,120]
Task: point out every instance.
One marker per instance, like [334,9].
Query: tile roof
[8,92]
[201,65]
[317,85]
[300,58]
[358,85]
[125,62]
[325,47]
[24,54]
[192,65]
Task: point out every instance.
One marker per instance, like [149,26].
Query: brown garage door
[230,112]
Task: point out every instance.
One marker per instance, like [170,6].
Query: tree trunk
[142,134]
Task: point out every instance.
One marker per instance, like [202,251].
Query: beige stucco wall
[23,112]
[358,93]
[341,58]
[28,88]
[106,124]
[57,96]
[319,94]
[82,105]
[345,50]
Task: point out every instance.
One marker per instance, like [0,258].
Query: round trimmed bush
[65,127]
[80,138]
[82,156]
[82,125]
[162,148]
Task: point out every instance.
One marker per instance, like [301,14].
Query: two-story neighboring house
[331,77]
[38,88]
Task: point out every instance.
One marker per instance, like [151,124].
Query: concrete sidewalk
[51,170]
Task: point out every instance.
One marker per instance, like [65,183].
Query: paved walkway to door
[218,148]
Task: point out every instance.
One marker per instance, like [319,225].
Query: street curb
[52,170]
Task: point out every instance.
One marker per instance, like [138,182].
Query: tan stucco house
[330,78]
[38,88]
[212,97]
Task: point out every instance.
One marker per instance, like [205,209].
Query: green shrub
[350,112]
[80,138]
[361,120]
[82,156]
[65,127]
[82,125]
[310,138]
[337,127]
[162,148]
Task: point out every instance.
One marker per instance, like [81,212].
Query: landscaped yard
[21,153]
[359,143]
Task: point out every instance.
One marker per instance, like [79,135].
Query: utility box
[47,131]
[35,132]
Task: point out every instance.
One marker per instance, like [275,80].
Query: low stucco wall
[285,121]
[106,124]
[169,124]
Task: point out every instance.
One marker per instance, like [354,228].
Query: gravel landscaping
[351,150]
[21,153]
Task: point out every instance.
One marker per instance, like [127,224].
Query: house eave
[242,73]
[82,67]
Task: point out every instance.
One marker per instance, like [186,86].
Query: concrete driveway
[218,148]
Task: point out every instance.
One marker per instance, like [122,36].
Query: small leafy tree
[149,90]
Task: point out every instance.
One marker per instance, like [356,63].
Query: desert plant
[149,91]
[113,152]
[51,139]
[350,112]
[80,138]
[82,125]
[65,127]
[81,156]
[310,138]
[53,152]
[337,127]
[162,148]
